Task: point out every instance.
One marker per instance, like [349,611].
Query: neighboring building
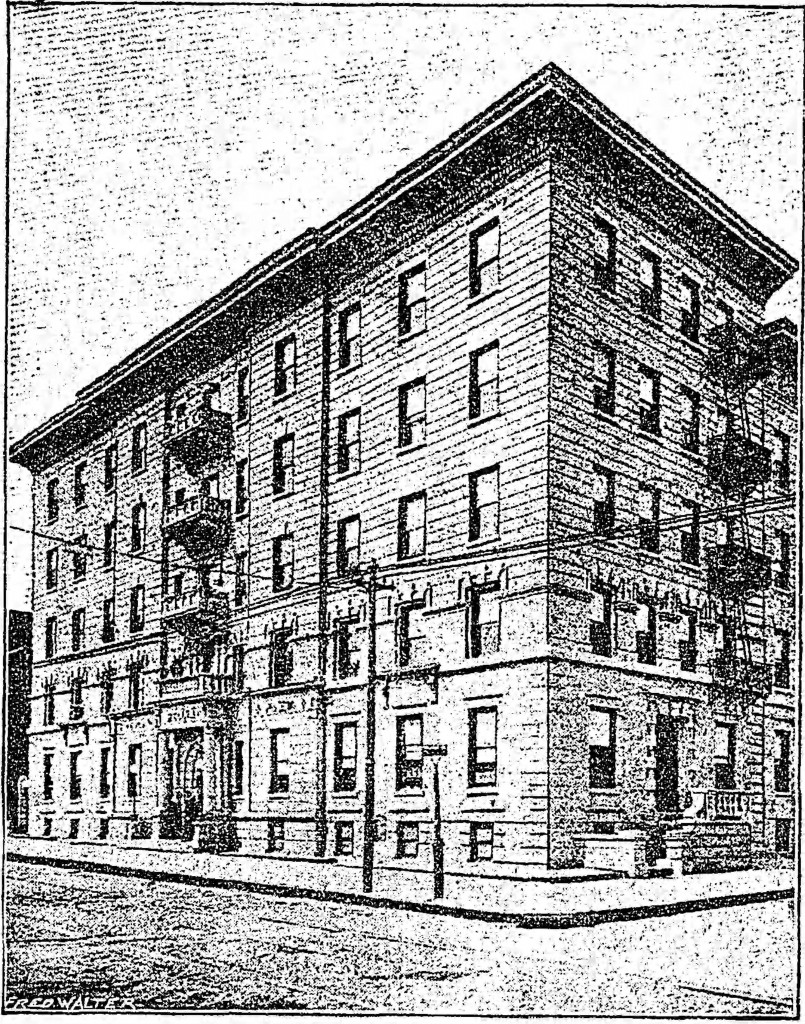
[18,715]
[528,377]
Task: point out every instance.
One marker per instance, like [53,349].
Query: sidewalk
[526,903]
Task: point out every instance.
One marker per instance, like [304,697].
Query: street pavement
[76,939]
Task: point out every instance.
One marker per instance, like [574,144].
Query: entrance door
[191,790]
[667,758]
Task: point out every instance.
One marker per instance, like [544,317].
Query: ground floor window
[276,836]
[47,826]
[103,828]
[407,839]
[782,835]
[73,834]
[481,840]
[602,736]
[344,838]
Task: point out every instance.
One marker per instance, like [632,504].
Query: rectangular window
[646,633]
[409,752]
[80,557]
[412,413]
[283,465]
[51,636]
[691,308]
[348,459]
[407,838]
[484,504]
[137,609]
[410,638]
[782,664]
[782,761]
[648,513]
[52,569]
[76,698]
[601,739]
[243,393]
[276,836]
[411,526]
[691,419]
[138,447]
[47,776]
[346,658]
[482,837]
[107,691]
[344,839]
[284,366]
[280,777]
[53,500]
[482,761]
[483,633]
[241,487]
[412,312]
[601,621]
[135,686]
[349,336]
[603,501]
[724,756]
[109,537]
[78,625]
[604,254]
[75,775]
[241,579]
[282,562]
[688,643]
[781,460]
[237,768]
[604,379]
[649,283]
[138,526]
[133,787]
[104,789]
[485,258]
[80,485]
[108,628]
[345,766]
[689,537]
[281,657]
[649,399]
[782,836]
[484,381]
[783,573]
[348,546]
[49,705]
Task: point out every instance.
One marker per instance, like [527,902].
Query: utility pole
[435,753]
[371,702]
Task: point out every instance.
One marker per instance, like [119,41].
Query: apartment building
[463,525]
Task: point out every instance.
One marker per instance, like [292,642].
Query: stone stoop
[708,846]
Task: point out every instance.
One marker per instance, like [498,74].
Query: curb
[571,919]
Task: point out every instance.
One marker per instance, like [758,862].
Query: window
[782,836]
[724,756]
[281,657]
[276,836]
[243,393]
[135,686]
[344,839]
[349,442]
[482,838]
[688,646]
[412,413]
[604,254]
[346,660]
[348,547]
[601,738]
[349,336]
[104,788]
[279,778]
[284,366]
[484,380]
[47,776]
[108,628]
[407,838]
[411,526]
[138,446]
[75,775]
[409,635]
[601,621]
[137,609]
[80,557]
[409,752]
[689,550]
[107,691]
[648,512]
[237,783]
[724,314]
[604,379]
[53,500]
[782,761]
[241,487]
[241,579]
[649,283]
[690,308]
[483,633]
[484,504]
[76,697]
[51,635]
[646,633]
[138,526]
[691,419]
[282,562]
[80,485]
[283,465]
[52,569]
[725,637]
[603,501]
[133,787]
[649,399]
[485,258]
[75,824]
[109,537]
[345,766]
[783,573]
[782,665]
[78,624]
[49,704]
[482,767]
[781,460]
[412,300]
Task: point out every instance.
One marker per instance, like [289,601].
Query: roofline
[550,78]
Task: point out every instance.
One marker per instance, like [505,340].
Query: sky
[158,152]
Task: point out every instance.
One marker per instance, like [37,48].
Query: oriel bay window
[282,481]
[646,633]
[601,621]
[412,413]
[649,399]
[284,366]
[484,504]
[348,545]
[482,766]
[648,512]
[484,381]
[282,562]
[349,336]
[409,752]
[412,313]
[483,623]
[280,772]
[485,258]
[411,526]
[349,442]
[345,753]
[604,379]
[603,501]
[602,744]
[604,254]
[724,755]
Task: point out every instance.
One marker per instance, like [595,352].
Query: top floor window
[485,258]
[243,393]
[53,500]
[604,254]
[690,308]
[649,283]
[604,379]
[412,310]
[484,381]
[138,447]
[649,399]
[110,467]
[80,485]
[284,366]
[349,336]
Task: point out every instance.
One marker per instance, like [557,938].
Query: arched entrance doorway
[190,786]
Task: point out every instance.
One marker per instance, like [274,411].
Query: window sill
[275,496]
[349,795]
[347,474]
[278,796]
[80,508]
[480,541]
[691,566]
[477,300]
[137,472]
[403,338]
[243,422]
[406,449]
[655,435]
[284,397]
[344,371]
[414,560]
[606,417]
[477,420]
[240,516]
[418,793]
